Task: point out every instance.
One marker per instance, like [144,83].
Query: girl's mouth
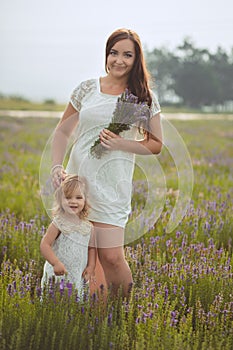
[73,207]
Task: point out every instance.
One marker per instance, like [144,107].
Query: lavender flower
[128,112]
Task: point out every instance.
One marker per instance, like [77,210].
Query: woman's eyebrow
[128,51]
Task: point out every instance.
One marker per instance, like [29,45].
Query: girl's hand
[58,175]
[59,269]
[89,274]
[109,140]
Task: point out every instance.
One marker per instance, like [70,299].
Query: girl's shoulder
[86,226]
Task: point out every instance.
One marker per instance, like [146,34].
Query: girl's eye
[128,55]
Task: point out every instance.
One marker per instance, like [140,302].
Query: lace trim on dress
[67,226]
[80,91]
[155,106]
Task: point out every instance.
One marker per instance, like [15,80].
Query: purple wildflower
[69,288]
[110,319]
[62,287]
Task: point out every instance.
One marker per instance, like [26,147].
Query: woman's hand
[58,175]
[109,140]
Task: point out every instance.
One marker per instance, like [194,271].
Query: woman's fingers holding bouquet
[109,140]
[106,134]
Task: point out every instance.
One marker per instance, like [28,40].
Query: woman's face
[121,58]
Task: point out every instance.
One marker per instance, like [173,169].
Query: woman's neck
[110,85]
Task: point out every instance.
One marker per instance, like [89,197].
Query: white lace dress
[71,248]
[110,177]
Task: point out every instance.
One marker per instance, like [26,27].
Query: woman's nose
[119,59]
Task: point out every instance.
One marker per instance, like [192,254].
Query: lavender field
[182,297]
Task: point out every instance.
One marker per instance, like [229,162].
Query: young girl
[68,245]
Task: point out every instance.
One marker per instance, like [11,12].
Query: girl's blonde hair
[67,187]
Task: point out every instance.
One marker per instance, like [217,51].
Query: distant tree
[196,84]
[196,76]
[18,98]
[161,64]
[222,65]
[194,79]
[49,101]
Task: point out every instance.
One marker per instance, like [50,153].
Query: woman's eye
[113,53]
[128,55]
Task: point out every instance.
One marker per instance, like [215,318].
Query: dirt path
[170,116]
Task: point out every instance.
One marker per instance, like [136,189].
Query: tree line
[191,76]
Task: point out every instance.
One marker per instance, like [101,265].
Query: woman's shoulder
[86,85]
[80,91]
[155,105]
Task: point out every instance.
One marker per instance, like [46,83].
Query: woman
[89,113]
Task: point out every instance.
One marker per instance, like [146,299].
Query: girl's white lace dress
[71,248]
[110,177]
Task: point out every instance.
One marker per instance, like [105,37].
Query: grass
[21,104]
[12,103]
[182,293]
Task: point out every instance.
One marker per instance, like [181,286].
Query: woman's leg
[110,240]
[116,269]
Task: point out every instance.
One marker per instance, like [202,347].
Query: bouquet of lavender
[128,112]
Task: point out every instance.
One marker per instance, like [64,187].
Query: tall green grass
[22,104]
[182,292]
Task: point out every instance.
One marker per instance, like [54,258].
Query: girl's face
[121,58]
[74,202]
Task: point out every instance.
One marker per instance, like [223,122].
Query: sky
[49,46]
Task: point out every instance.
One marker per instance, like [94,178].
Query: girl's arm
[152,145]
[88,272]
[47,251]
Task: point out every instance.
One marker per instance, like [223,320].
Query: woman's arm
[62,133]
[59,143]
[150,145]
[47,251]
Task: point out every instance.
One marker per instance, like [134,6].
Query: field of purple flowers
[182,297]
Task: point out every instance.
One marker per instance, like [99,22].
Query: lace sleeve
[79,92]
[155,106]
[57,223]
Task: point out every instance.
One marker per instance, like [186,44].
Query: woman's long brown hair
[138,82]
